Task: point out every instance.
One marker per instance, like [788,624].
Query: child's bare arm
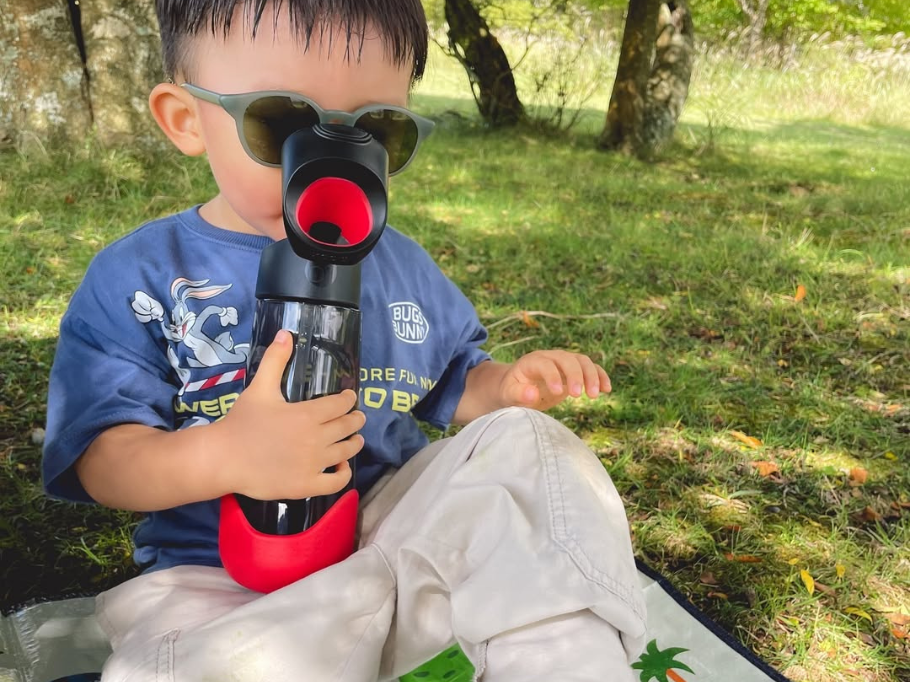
[541,379]
[264,447]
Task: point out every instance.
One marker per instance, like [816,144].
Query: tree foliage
[786,19]
[795,19]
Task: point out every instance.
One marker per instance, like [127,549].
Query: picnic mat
[60,640]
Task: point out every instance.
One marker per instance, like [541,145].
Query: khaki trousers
[508,538]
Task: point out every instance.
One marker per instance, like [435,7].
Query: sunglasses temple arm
[203,94]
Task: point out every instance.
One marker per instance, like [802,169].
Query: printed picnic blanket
[60,640]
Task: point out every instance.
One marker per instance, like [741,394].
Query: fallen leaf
[824,589]
[751,441]
[900,634]
[894,512]
[858,476]
[706,334]
[707,578]
[719,595]
[858,612]
[655,303]
[800,293]
[528,320]
[793,561]
[866,638]
[890,455]
[841,570]
[808,580]
[869,514]
[766,468]
[743,558]
[898,618]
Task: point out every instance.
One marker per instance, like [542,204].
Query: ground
[748,295]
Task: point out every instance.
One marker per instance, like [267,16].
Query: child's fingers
[530,395]
[519,390]
[592,380]
[549,373]
[346,425]
[571,366]
[275,359]
[605,384]
[330,482]
[341,452]
[330,407]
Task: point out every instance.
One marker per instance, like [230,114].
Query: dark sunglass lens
[395,130]
[269,121]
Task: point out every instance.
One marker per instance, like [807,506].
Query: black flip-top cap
[284,275]
[334,181]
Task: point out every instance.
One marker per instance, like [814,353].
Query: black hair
[401,24]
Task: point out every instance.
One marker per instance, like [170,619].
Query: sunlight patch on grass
[44,326]
[831,460]
[689,267]
[678,538]
[27,219]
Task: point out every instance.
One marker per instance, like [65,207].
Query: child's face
[276,60]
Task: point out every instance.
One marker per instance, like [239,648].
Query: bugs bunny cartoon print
[189,328]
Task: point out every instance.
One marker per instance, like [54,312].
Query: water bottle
[335,207]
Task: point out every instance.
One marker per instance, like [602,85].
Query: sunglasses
[266,119]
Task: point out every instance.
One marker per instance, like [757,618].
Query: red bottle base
[265,563]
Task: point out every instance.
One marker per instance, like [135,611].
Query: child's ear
[174,110]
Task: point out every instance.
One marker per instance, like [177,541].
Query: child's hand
[278,450]
[544,378]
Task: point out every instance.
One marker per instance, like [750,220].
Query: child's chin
[273,228]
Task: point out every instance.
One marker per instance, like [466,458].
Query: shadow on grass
[692,264]
[48,549]
[735,544]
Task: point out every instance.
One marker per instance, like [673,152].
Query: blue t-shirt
[159,331]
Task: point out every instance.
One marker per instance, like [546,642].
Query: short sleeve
[466,333]
[100,380]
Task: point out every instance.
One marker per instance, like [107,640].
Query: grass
[681,278]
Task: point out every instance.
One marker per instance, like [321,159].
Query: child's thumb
[274,361]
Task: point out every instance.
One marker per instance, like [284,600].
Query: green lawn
[749,296]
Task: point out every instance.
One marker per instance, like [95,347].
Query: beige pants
[508,538]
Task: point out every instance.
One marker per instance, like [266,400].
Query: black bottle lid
[283,275]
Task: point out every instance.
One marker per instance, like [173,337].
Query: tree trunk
[668,85]
[123,58]
[486,63]
[43,90]
[650,90]
[756,12]
[625,115]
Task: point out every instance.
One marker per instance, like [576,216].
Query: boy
[508,538]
